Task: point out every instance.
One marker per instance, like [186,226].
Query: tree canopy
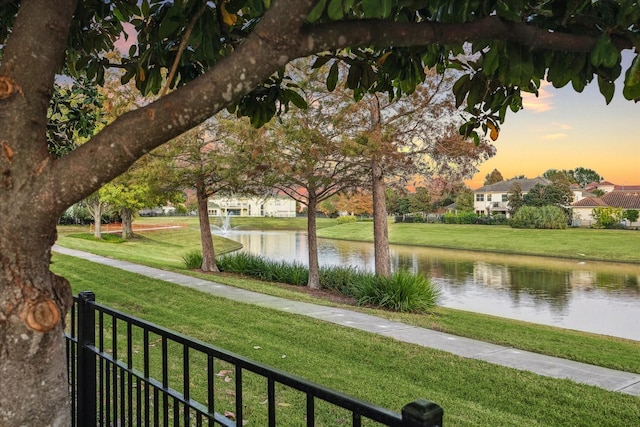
[213,55]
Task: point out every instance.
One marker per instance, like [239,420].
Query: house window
[488,197]
[479,197]
[505,197]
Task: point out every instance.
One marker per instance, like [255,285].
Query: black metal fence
[124,371]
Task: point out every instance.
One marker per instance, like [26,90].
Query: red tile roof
[622,199]
[587,202]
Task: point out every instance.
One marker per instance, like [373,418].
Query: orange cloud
[554,136]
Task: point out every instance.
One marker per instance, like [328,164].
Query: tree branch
[342,34]
[137,132]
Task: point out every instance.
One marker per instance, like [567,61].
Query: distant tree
[584,176]
[598,192]
[355,203]
[519,177]
[328,207]
[214,157]
[563,177]
[97,207]
[420,201]
[391,197]
[313,154]
[493,177]
[553,194]
[515,199]
[127,197]
[464,201]
[403,206]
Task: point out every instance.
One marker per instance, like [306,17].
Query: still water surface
[597,297]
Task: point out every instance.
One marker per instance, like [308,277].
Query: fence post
[422,413]
[86,412]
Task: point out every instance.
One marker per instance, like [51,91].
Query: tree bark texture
[314,265]
[208,252]
[127,223]
[380,231]
[97,221]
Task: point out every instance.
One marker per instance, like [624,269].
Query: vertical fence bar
[86,414]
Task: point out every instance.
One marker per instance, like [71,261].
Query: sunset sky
[563,129]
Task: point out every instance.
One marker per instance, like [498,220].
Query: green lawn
[581,243]
[164,249]
[371,367]
[160,249]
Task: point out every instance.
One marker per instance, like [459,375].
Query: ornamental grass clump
[193,260]
[403,291]
[264,269]
[339,279]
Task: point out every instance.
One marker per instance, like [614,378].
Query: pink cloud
[540,103]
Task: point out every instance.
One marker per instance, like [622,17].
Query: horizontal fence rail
[124,371]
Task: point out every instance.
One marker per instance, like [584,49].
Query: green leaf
[354,77]
[632,77]
[491,61]
[631,88]
[461,88]
[607,89]
[335,11]
[317,10]
[320,61]
[332,77]
[296,99]
[604,53]
[376,8]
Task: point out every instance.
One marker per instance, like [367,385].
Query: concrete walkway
[609,379]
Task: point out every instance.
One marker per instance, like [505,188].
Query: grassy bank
[378,369]
[160,249]
[580,243]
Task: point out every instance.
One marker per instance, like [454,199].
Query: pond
[599,297]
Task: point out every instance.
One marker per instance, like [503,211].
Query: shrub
[450,218]
[264,269]
[403,291]
[345,219]
[468,217]
[548,216]
[608,217]
[193,260]
[339,279]
[460,218]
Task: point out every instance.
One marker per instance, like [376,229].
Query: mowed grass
[164,249]
[377,369]
[580,243]
[160,249]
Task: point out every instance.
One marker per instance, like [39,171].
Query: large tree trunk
[127,223]
[33,304]
[380,232]
[208,252]
[312,239]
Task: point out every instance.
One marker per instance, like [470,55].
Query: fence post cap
[87,295]
[422,412]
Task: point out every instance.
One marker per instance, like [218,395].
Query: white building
[237,205]
[493,198]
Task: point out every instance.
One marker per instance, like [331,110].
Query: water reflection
[590,296]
